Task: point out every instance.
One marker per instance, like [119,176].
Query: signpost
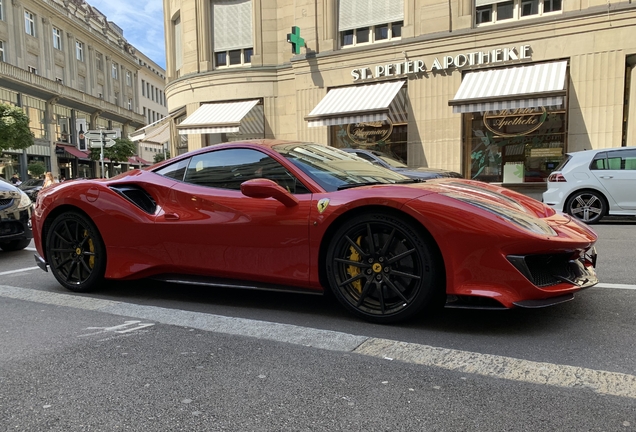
[101,138]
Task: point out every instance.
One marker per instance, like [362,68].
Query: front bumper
[16,225]
[41,262]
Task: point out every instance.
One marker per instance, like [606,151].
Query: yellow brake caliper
[353,270]
[91,247]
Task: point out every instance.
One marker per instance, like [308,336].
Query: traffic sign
[96,135]
[97,143]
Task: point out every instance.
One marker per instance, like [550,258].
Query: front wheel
[587,206]
[382,268]
[75,252]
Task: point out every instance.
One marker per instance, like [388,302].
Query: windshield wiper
[354,185]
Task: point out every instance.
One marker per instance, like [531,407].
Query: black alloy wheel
[587,206]
[382,269]
[75,252]
[14,245]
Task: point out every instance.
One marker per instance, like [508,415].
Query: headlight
[25,201]
[523,220]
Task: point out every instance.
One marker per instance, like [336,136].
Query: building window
[57,38]
[117,98]
[234,57]
[130,104]
[33,70]
[372,34]
[128,78]
[233,44]
[148,90]
[178,49]
[79,51]
[491,11]
[114,71]
[99,61]
[29,23]
[1,11]
[362,22]
[152,92]
[144,111]
[143,87]
[2,51]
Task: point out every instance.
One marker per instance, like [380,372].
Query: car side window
[227,169]
[365,156]
[599,162]
[622,160]
[174,171]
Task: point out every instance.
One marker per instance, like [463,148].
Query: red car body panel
[207,231]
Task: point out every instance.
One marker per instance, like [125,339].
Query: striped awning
[511,88]
[152,129]
[223,117]
[356,104]
[160,135]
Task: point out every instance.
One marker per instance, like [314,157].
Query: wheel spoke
[63,263]
[61,238]
[395,289]
[365,292]
[353,279]
[87,268]
[69,231]
[370,240]
[581,201]
[71,270]
[385,248]
[400,256]
[356,247]
[353,263]
[381,298]
[406,275]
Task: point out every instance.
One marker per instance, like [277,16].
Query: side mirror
[264,188]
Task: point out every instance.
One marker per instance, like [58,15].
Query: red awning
[74,151]
[136,160]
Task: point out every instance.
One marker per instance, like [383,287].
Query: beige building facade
[496,90]
[71,70]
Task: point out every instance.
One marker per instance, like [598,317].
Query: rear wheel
[14,245]
[587,206]
[75,252]
[382,268]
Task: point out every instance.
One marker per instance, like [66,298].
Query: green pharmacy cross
[295,39]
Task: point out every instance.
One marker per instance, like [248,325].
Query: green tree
[159,157]
[120,152]
[36,169]
[14,128]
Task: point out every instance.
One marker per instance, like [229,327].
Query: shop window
[515,145]
[492,11]
[372,34]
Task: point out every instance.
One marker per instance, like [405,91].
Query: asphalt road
[147,356]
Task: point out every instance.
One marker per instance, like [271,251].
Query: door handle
[606,177]
[171,217]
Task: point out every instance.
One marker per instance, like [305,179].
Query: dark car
[31,187]
[15,217]
[386,161]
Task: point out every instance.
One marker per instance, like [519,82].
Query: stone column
[204,24]
[50,123]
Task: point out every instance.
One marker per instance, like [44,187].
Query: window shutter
[232,24]
[354,14]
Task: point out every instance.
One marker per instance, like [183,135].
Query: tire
[587,206]
[75,252]
[389,279]
[14,245]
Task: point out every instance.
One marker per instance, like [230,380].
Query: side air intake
[137,196]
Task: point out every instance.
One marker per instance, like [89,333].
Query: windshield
[334,169]
[392,162]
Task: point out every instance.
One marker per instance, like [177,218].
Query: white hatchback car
[593,183]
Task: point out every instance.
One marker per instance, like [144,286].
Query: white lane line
[615,286]
[494,366]
[18,270]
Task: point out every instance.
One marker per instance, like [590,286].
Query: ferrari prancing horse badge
[323,204]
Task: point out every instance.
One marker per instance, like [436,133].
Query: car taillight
[556,177]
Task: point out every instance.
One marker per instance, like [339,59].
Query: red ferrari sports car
[305,217]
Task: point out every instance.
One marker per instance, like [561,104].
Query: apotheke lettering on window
[477,58]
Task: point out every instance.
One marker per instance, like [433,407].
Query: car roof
[594,151]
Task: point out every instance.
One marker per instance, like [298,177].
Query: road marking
[493,366]
[615,286]
[19,270]
[118,328]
